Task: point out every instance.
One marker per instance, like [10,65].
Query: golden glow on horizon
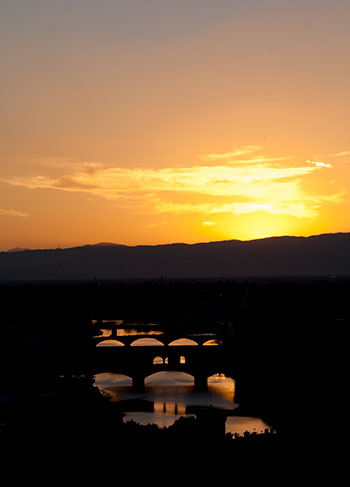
[265,225]
[241,183]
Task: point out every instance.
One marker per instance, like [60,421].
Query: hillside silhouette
[319,255]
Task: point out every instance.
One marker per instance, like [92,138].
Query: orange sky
[154,122]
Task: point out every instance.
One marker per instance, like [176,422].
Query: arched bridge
[138,362]
[164,338]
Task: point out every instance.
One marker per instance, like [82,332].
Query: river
[170,394]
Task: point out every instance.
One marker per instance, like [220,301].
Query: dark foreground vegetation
[286,342]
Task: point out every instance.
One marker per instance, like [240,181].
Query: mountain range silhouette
[318,255]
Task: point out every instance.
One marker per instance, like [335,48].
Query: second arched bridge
[191,354]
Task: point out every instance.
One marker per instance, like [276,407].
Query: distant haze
[320,255]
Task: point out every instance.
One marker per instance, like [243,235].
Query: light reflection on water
[172,394]
[241,424]
[133,331]
[106,332]
[169,394]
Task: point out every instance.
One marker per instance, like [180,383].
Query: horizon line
[113,244]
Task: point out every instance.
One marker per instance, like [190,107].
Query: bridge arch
[183,342]
[111,379]
[212,342]
[158,360]
[167,377]
[110,343]
[141,342]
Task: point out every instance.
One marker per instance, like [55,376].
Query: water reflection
[149,329]
[104,332]
[147,342]
[169,395]
[170,387]
[183,342]
[110,343]
[240,424]
[108,327]
[107,323]
[135,331]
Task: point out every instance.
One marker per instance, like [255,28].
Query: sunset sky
[160,121]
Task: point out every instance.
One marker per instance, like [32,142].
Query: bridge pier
[138,383]
[200,383]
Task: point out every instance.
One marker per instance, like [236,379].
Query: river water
[169,395]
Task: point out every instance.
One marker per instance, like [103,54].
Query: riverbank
[89,418]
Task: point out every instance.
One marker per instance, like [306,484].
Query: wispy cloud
[6,212]
[240,181]
[341,154]
[232,155]
[300,206]
[218,180]
[156,224]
